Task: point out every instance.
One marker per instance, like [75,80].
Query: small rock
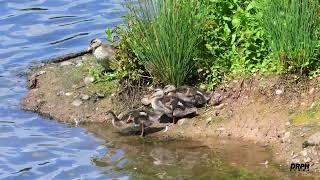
[216,100]
[313,105]
[100,94]
[305,129]
[60,93]
[286,137]
[209,120]
[219,107]
[68,94]
[84,58]
[88,80]
[183,121]
[311,91]
[307,159]
[295,160]
[288,123]
[66,63]
[79,61]
[79,64]
[279,92]
[85,97]
[313,140]
[304,153]
[221,129]
[77,102]
[41,73]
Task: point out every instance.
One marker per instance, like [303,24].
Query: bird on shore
[138,119]
[188,94]
[104,53]
[171,106]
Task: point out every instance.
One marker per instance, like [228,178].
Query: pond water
[32,147]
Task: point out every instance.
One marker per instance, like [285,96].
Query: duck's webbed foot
[174,120]
[142,130]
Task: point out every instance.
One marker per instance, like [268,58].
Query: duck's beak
[130,119]
[89,49]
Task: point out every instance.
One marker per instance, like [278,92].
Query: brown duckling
[119,122]
[134,119]
[172,106]
[188,94]
[104,53]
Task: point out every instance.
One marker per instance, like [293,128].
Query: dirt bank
[274,112]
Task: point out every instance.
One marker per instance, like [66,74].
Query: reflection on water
[31,30]
[32,147]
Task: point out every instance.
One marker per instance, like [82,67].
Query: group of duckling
[172,102]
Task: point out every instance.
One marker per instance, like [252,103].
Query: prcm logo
[299,167]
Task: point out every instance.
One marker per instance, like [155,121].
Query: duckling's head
[116,122]
[169,88]
[94,44]
[110,116]
[130,119]
[159,93]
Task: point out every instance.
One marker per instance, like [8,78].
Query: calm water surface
[35,148]
[32,147]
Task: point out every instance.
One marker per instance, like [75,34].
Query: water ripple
[30,146]
[34,9]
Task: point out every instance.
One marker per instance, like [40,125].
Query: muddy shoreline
[271,112]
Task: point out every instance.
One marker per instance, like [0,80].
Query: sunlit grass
[163,35]
[292,27]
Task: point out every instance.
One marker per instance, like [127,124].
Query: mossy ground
[311,116]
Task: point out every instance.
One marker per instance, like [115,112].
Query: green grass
[163,35]
[292,28]
[310,116]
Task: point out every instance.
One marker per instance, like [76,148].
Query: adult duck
[134,120]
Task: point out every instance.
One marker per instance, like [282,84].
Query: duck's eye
[93,41]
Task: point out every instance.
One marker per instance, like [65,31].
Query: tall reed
[291,26]
[163,35]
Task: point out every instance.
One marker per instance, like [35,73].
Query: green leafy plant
[109,34]
[127,66]
[101,76]
[292,28]
[234,42]
[163,35]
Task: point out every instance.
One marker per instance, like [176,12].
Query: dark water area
[32,147]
